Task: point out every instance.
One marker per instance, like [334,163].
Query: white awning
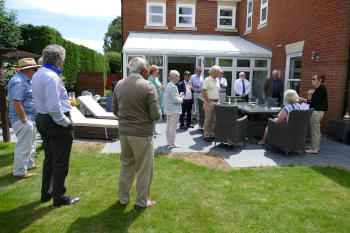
[192,45]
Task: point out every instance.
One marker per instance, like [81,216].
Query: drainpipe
[346,96]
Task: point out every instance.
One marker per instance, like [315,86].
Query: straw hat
[27,63]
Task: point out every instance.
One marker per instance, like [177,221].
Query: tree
[112,39]
[114,60]
[10,34]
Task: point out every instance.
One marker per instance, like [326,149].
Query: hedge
[78,57]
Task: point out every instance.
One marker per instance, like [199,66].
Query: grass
[191,198]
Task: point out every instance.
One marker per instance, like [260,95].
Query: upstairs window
[156,14]
[226,17]
[263,11]
[249,15]
[185,15]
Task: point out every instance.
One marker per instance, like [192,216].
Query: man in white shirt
[242,86]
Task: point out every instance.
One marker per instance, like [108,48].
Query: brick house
[298,38]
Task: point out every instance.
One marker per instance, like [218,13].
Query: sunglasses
[313,79]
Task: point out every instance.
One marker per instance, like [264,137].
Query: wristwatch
[25,120]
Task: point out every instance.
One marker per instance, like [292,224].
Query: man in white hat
[22,117]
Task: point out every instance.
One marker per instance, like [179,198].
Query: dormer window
[156,14]
[185,15]
[226,17]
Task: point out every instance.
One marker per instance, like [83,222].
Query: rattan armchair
[291,136]
[228,128]
[200,112]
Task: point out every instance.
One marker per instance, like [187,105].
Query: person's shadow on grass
[17,219]
[113,219]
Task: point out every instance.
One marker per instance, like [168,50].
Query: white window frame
[233,26]
[249,15]
[262,6]
[148,14]
[193,16]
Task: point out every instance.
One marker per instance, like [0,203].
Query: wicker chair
[228,128]
[272,102]
[200,112]
[291,136]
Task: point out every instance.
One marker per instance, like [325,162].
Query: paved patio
[252,155]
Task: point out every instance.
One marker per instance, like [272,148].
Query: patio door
[293,71]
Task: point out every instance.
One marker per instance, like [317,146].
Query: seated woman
[291,96]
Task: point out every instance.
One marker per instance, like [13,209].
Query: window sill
[262,25]
[186,28]
[156,27]
[226,30]
[247,32]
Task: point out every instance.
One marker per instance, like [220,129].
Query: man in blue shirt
[196,81]
[22,117]
[223,86]
[53,106]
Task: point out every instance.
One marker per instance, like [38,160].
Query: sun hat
[27,63]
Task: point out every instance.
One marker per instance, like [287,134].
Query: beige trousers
[137,155]
[171,124]
[315,129]
[210,119]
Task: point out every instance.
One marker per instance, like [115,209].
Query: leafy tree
[112,39]
[115,61]
[10,34]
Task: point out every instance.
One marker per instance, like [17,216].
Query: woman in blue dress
[291,97]
[153,78]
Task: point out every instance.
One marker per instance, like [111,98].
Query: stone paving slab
[252,155]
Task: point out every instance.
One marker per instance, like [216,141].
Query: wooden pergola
[9,54]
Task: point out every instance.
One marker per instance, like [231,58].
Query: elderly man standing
[22,117]
[53,106]
[242,86]
[223,85]
[135,103]
[196,81]
[273,87]
[211,96]
[185,87]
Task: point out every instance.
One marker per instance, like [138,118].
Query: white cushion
[94,108]
[78,119]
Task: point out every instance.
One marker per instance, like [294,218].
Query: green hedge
[78,57]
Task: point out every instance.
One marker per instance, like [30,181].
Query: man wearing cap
[22,117]
[196,81]
[185,87]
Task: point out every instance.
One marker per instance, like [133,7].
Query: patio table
[258,115]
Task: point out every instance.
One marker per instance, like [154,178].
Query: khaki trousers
[210,119]
[137,155]
[24,153]
[195,110]
[315,129]
[171,124]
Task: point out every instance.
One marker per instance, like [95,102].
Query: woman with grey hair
[291,97]
[173,101]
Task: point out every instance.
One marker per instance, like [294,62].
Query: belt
[214,100]
[198,91]
[65,113]
[222,91]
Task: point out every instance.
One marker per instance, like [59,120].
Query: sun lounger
[93,128]
[94,108]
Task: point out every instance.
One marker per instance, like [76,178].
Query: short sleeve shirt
[212,87]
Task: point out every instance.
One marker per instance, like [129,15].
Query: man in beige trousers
[135,103]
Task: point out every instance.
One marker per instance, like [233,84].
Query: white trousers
[25,147]
[171,124]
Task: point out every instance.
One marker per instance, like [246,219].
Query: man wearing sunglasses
[22,117]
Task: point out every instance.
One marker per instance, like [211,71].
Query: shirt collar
[53,68]
[24,76]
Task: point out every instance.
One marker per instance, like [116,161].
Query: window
[243,62]
[155,14]
[226,17]
[249,15]
[263,11]
[260,63]
[185,15]
[225,62]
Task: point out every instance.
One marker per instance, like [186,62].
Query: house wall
[324,26]
[134,18]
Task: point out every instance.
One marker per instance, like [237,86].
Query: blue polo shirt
[196,80]
[20,88]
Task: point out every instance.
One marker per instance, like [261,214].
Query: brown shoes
[27,175]
[149,204]
[34,167]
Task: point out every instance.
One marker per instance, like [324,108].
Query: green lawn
[190,198]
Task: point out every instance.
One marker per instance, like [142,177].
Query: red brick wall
[325,27]
[134,18]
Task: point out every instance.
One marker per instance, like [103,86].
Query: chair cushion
[94,108]
[78,119]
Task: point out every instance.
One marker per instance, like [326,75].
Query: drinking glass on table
[71,96]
